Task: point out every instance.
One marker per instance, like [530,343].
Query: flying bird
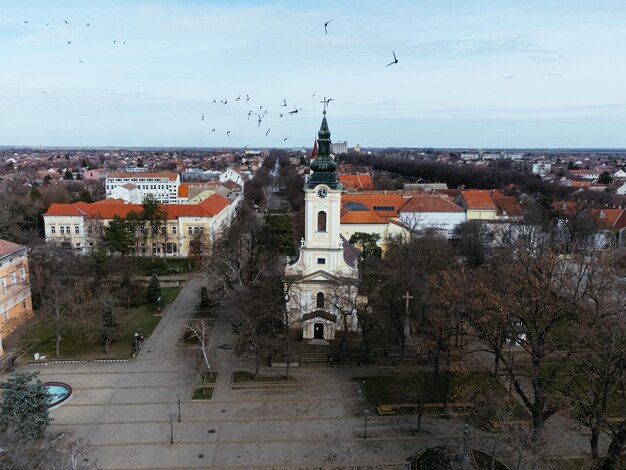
[281,115]
[268,131]
[88,25]
[284,102]
[66,22]
[203,118]
[25,21]
[213,130]
[114,41]
[69,42]
[295,110]
[259,121]
[214,100]
[249,114]
[228,133]
[247,98]
[395,60]
[313,95]
[225,101]
[285,140]
[238,98]
[326,26]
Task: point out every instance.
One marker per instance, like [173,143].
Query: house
[15,296]
[478,204]
[234,175]
[92,175]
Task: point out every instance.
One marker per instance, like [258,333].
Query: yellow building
[15,300]
[80,225]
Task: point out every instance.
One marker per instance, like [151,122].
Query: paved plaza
[124,410]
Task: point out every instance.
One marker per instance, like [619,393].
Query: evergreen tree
[24,406]
[119,236]
[68,175]
[154,289]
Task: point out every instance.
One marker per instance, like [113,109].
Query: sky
[470,74]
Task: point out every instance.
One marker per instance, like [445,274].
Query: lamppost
[178,396]
[136,342]
[171,429]
[366,412]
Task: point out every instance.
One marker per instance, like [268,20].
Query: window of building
[53,229]
[76,229]
[174,229]
[3,283]
[189,230]
[383,208]
[172,248]
[13,280]
[23,274]
[319,300]
[321,260]
[321,221]
[90,230]
[62,230]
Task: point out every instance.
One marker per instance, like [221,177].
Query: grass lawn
[198,394]
[209,378]
[391,389]
[141,319]
[245,376]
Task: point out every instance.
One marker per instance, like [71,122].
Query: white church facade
[322,285]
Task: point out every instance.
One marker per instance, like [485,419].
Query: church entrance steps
[379,352]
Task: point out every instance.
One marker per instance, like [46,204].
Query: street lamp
[172,429]
[366,412]
[178,396]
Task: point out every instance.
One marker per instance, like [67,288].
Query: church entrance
[318,331]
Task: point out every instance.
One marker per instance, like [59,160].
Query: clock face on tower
[322,193]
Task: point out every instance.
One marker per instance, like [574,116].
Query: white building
[162,186]
[541,168]
[322,284]
[339,147]
[432,212]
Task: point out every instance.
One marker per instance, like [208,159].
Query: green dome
[323,166]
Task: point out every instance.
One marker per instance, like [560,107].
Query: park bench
[390,409]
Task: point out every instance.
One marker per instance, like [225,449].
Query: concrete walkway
[124,410]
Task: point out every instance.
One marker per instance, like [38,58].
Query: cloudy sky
[480,73]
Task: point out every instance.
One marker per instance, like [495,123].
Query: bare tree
[202,336]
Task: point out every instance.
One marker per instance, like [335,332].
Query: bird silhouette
[395,60]
[69,42]
[268,131]
[203,118]
[66,22]
[281,115]
[284,102]
[225,101]
[249,114]
[228,133]
[80,61]
[238,98]
[313,95]
[25,22]
[214,100]
[213,130]
[247,98]
[326,26]
[114,41]
[259,121]
[260,108]
[295,110]
[285,140]
[88,25]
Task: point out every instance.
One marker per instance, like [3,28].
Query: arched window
[320,300]
[321,221]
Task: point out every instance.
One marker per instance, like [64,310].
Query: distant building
[15,298]
[541,168]
[162,186]
[339,147]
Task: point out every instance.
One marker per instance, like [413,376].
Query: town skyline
[486,75]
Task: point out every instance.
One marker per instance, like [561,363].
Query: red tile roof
[478,199]
[378,202]
[103,210]
[360,182]
[183,190]
[507,205]
[361,217]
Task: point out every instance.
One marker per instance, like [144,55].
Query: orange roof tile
[361,217]
[361,182]
[476,199]
[507,205]
[183,190]
[378,202]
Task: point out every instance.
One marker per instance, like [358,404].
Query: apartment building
[129,185]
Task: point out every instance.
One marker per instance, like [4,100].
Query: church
[322,285]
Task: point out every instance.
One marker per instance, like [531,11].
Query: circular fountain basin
[59,393]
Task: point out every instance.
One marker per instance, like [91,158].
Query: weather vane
[326,101]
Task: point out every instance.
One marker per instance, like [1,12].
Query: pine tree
[154,290]
[24,406]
